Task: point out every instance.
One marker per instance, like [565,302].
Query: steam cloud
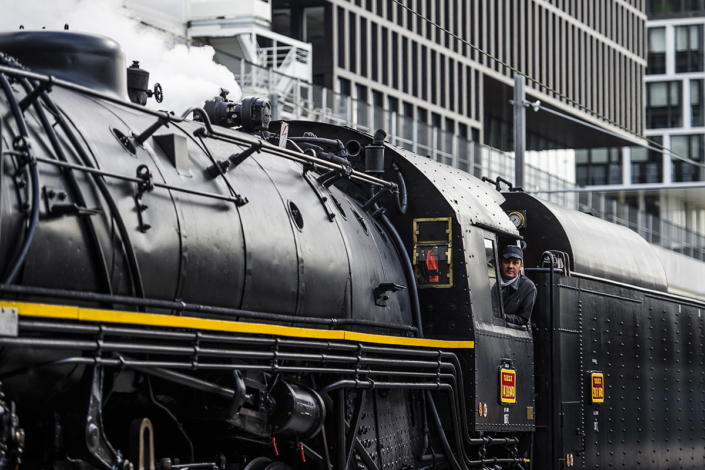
[188,75]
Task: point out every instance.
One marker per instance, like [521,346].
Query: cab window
[493,276]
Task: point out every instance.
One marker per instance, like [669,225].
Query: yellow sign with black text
[598,387]
[508,386]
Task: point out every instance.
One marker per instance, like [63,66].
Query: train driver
[518,291]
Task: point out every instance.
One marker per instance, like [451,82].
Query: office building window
[393,104]
[361,93]
[374,50]
[663,105]
[281,21]
[435,120]
[395,54]
[385,57]
[646,163]
[342,38]
[598,166]
[657,51]
[689,48]
[352,43]
[363,47]
[655,7]
[344,86]
[463,130]
[696,103]
[377,99]
[691,147]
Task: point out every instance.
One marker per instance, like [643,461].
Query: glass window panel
[679,145]
[314,25]
[281,21]
[657,40]
[681,38]
[600,155]
[581,175]
[675,94]
[490,256]
[694,92]
[636,175]
[615,174]
[639,154]
[599,175]
[694,38]
[695,141]
[614,155]
[658,94]
[581,156]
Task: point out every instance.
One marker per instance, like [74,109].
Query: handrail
[211,131]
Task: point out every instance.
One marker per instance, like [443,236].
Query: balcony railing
[304,100]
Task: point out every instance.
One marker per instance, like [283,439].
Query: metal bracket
[9,321]
[498,184]
[355,425]
[371,202]
[240,395]
[536,105]
[323,199]
[142,452]
[22,158]
[94,441]
[58,204]
[32,97]
[145,186]
[333,176]
[381,296]
[221,167]
[162,121]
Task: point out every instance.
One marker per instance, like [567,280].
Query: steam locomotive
[217,291]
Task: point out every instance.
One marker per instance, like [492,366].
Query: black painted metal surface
[90,60]
[268,242]
[595,246]
[649,347]
[199,250]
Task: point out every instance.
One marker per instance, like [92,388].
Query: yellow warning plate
[508,386]
[598,387]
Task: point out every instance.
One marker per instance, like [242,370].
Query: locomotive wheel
[263,463]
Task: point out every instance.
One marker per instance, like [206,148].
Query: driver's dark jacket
[518,299]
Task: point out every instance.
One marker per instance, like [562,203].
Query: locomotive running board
[65,312]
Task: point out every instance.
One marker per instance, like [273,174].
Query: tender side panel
[649,349]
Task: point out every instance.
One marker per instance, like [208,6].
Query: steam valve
[138,85]
[252,114]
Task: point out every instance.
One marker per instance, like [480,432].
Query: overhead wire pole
[519,129]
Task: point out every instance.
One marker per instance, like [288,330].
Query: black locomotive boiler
[216,291]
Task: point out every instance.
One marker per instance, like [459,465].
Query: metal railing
[304,100]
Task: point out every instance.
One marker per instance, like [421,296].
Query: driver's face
[510,268]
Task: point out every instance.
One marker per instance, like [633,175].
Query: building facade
[389,56]
[667,186]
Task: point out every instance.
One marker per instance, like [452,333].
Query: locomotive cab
[453,232]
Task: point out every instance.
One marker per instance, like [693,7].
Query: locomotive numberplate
[598,387]
[507,386]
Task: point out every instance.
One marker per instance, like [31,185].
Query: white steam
[188,75]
